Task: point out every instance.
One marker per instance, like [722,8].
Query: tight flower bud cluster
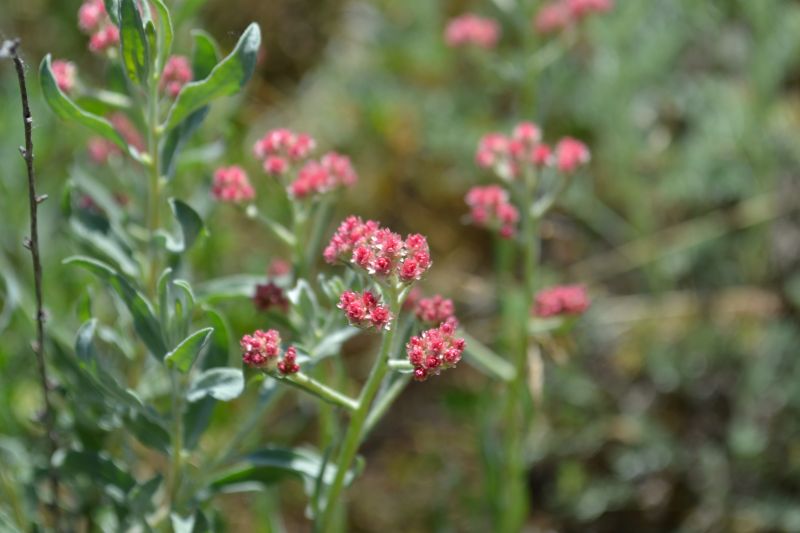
[434,310]
[270,296]
[278,149]
[331,172]
[561,300]
[94,20]
[177,73]
[435,350]
[363,310]
[65,74]
[507,156]
[490,208]
[379,251]
[559,15]
[232,185]
[470,29]
[262,350]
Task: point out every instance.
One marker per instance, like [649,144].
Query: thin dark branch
[11,49]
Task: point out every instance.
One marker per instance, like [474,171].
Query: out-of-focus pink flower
[571,154]
[65,73]
[232,185]
[542,155]
[177,73]
[435,350]
[279,267]
[104,38]
[581,8]
[364,311]
[552,17]
[470,29]
[269,296]
[284,143]
[100,150]
[435,310]
[91,14]
[492,148]
[315,178]
[379,251]
[262,350]
[275,165]
[128,130]
[490,207]
[561,300]
[560,14]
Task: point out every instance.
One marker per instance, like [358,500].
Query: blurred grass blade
[485,359]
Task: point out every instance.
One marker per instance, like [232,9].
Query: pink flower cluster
[279,148]
[331,172]
[435,310]
[470,29]
[561,14]
[65,74]
[268,296]
[93,20]
[435,350]
[177,73]
[379,251]
[262,350]
[364,311]
[507,155]
[561,300]
[490,208]
[232,185]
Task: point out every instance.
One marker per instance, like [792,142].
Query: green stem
[154,177]
[355,430]
[300,227]
[176,465]
[277,229]
[385,401]
[312,386]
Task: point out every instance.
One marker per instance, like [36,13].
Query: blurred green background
[677,405]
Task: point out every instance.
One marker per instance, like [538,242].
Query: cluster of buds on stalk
[379,251]
[517,158]
[94,21]
[561,300]
[262,350]
[65,73]
[363,310]
[231,184]
[472,30]
[269,296]
[434,350]
[177,73]
[560,15]
[282,150]
[435,310]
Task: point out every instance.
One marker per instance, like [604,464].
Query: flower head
[363,310]
[65,73]
[268,296]
[262,350]
[331,172]
[101,149]
[177,73]
[561,14]
[379,251]
[91,15]
[490,207]
[435,310]
[232,185]
[435,350]
[561,300]
[470,29]
[571,154]
[283,144]
[279,267]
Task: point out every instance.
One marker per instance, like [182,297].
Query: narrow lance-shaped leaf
[191,227]
[183,356]
[222,384]
[165,34]
[225,79]
[133,42]
[144,320]
[66,109]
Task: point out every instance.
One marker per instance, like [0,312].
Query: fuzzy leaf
[134,46]
[66,109]
[183,356]
[225,79]
[223,384]
[166,33]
